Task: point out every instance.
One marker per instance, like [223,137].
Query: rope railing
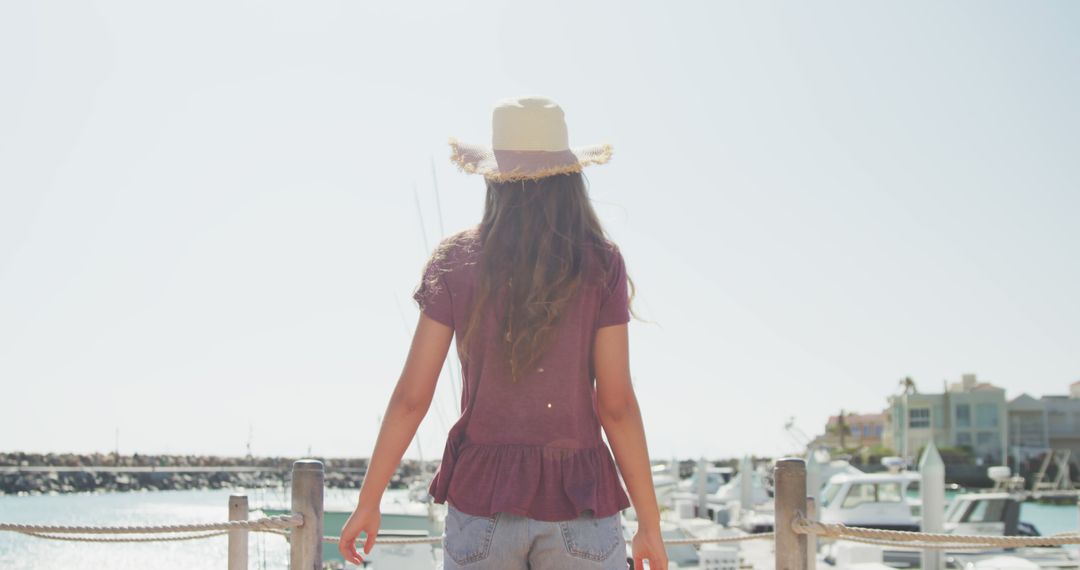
[197,531]
[928,540]
[76,538]
[277,522]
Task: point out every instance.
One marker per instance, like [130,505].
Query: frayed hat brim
[510,165]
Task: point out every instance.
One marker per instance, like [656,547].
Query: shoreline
[67,473]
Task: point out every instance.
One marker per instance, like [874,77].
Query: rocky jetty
[37,473]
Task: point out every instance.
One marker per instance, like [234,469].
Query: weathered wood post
[238,538]
[305,541]
[932,487]
[811,539]
[789,481]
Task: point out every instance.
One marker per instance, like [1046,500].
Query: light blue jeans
[512,542]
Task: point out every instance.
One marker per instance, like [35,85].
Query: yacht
[873,500]
[986,513]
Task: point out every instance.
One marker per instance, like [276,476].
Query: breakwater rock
[35,473]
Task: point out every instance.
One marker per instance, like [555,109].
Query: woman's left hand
[363,519]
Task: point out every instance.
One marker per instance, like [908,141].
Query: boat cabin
[873,500]
[987,513]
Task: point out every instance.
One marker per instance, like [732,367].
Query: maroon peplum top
[532,448]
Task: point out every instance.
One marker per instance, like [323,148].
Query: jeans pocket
[592,538]
[467,538]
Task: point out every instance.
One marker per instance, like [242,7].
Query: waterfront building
[1049,422]
[967,413]
[856,430]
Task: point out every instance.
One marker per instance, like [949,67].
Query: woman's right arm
[621,418]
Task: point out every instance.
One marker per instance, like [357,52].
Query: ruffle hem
[539,482]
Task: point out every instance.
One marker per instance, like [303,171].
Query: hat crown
[529,123]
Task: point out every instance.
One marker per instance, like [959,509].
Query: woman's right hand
[649,545]
[363,519]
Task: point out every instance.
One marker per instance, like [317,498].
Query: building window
[963,415]
[984,438]
[986,415]
[919,417]
[963,438]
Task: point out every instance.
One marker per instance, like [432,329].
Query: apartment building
[1049,422]
[968,413]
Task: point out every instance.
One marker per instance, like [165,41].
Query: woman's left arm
[408,405]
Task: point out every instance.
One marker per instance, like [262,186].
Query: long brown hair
[535,236]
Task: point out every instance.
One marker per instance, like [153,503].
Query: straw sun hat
[528,141]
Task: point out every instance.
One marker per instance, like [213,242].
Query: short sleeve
[432,295]
[614,295]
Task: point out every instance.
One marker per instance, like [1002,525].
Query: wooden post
[238,538]
[305,541]
[811,539]
[789,480]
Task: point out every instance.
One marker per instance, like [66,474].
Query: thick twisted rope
[74,538]
[926,539]
[278,522]
[919,545]
[720,539]
[395,540]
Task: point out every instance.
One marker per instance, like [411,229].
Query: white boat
[994,514]
[715,477]
[665,481]
[758,517]
[873,500]
[987,513]
[725,502]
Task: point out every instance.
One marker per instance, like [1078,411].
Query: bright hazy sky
[208,222]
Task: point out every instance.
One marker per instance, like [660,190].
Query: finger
[369,542]
[639,563]
[348,551]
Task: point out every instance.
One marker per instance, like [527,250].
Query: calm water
[19,552]
[1050,519]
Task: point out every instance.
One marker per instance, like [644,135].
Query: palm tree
[907,386]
